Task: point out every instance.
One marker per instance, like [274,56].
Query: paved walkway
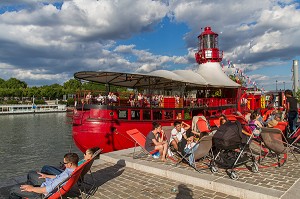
[118,175]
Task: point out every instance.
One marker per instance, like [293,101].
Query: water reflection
[29,141]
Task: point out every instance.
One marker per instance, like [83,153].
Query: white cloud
[84,34]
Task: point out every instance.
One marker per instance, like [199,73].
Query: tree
[93,86]
[72,84]
[1,82]
[14,83]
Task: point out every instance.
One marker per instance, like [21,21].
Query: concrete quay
[118,175]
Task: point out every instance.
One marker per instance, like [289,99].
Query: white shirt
[179,135]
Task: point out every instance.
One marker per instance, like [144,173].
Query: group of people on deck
[182,139]
[100,99]
[45,182]
[271,120]
[142,100]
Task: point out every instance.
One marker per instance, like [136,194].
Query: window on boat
[157,115]
[168,115]
[135,114]
[123,114]
[146,115]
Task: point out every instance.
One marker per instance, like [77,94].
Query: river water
[29,141]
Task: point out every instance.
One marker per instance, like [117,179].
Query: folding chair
[140,140]
[66,185]
[202,126]
[200,150]
[275,141]
[282,126]
[167,130]
[86,169]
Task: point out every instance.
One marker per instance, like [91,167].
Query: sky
[43,42]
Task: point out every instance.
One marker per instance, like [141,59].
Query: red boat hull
[107,132]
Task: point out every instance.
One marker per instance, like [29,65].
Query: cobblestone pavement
[274,177]
[117,181]
[114,181]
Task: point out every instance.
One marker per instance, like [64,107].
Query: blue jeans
[32,179]
[191,152]
[51,170]
[292,119]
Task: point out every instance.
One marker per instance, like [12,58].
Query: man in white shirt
[177,133]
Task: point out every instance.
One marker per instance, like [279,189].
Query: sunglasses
[66,162]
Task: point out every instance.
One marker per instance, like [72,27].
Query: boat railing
[167,102]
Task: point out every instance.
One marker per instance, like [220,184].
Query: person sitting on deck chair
[191,145]
[35,185]
[154,142]
[177,134]
[53,170]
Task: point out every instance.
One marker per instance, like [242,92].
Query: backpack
[229,136]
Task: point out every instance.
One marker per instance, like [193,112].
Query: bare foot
[163,159]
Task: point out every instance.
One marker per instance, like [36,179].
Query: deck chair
[201,125]
[87,169]
[275,141]
[201,149]
[167,130]
[66,185]
[140,140]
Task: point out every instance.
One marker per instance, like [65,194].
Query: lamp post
[276,85]
[283,85]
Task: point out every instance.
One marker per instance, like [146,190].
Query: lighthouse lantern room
[208,50]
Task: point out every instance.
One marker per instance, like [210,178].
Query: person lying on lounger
[153,141]
[56,170]
[39,183]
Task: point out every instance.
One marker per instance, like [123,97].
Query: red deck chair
[203,126]
[282,126]
[275,140]
[267,114]
[65,186]
[86,169]
[217,122]
[214,122]
[140,140]
[231,117]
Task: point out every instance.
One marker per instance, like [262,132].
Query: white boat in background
[21,108]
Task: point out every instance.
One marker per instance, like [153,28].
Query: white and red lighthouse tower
[209,57]
[208,50]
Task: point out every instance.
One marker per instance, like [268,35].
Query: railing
[168,102]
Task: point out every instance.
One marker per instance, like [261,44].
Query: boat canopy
[159,79]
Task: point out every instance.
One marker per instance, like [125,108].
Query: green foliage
[237,79]
[187,116]
[297,95]
[70,102]
[11,102]
[16,88]
[62,102]
[36,101]
[217,93]
[1,82]
[72,85]
[93,86]
[14,83]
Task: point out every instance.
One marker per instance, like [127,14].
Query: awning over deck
[162,79]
